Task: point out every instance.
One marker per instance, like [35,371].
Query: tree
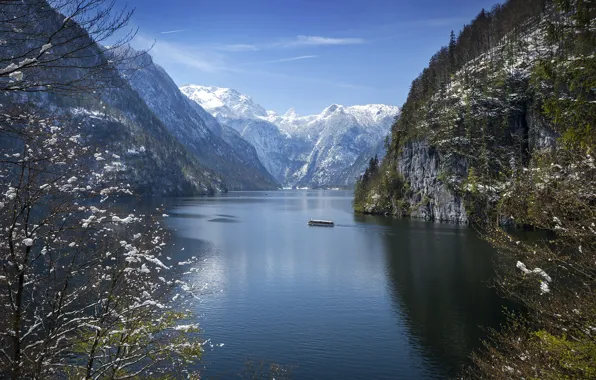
[373,165]
[452,46]
[554,278]
[56,45]
[553,275]
[84,289]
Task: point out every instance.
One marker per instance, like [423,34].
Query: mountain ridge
[300,150]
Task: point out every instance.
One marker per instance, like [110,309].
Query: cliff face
[430,197]
[217,147]
[437,174]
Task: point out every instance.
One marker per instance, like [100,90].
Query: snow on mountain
[290,114]
[349,175]
[217,147]
[224,102]
[340,135]
[250,120]
[312,150]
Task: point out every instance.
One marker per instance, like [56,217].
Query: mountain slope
[145,154]
[245,117]
[350,175]
[339,136]
[312,150]
[217,147]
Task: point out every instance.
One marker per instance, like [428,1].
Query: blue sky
[305,54]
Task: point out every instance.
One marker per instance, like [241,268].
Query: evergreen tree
[452,45]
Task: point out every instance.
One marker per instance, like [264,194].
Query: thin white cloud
[321,41]
[282,60]
[319,81]
[174,31]
[296,42]
[238,47]
[294,58]
[169,52]
[203,60]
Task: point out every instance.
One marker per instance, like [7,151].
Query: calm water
[372,298]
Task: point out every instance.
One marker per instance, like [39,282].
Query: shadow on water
[438,277]
[183,215]
[223,220]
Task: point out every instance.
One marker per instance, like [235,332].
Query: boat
[321,223]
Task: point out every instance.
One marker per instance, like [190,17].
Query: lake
[371,298]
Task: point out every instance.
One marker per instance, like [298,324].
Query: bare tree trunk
[16,326]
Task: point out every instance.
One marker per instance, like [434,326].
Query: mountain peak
[291,113]
[332,108]
[313,149]
[223,101]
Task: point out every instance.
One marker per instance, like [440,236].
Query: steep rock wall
[430,198]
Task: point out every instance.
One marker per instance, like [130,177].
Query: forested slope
[483,107]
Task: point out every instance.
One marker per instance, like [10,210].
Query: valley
[297,190]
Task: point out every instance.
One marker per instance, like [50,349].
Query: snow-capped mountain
[313,150]
[225,102]
[350,174]
[218,147]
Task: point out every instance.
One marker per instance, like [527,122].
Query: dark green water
[372,298]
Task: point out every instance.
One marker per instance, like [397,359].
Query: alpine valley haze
[297,189]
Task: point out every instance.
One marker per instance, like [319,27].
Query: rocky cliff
[431,198]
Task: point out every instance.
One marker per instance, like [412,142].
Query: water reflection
[438,274]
